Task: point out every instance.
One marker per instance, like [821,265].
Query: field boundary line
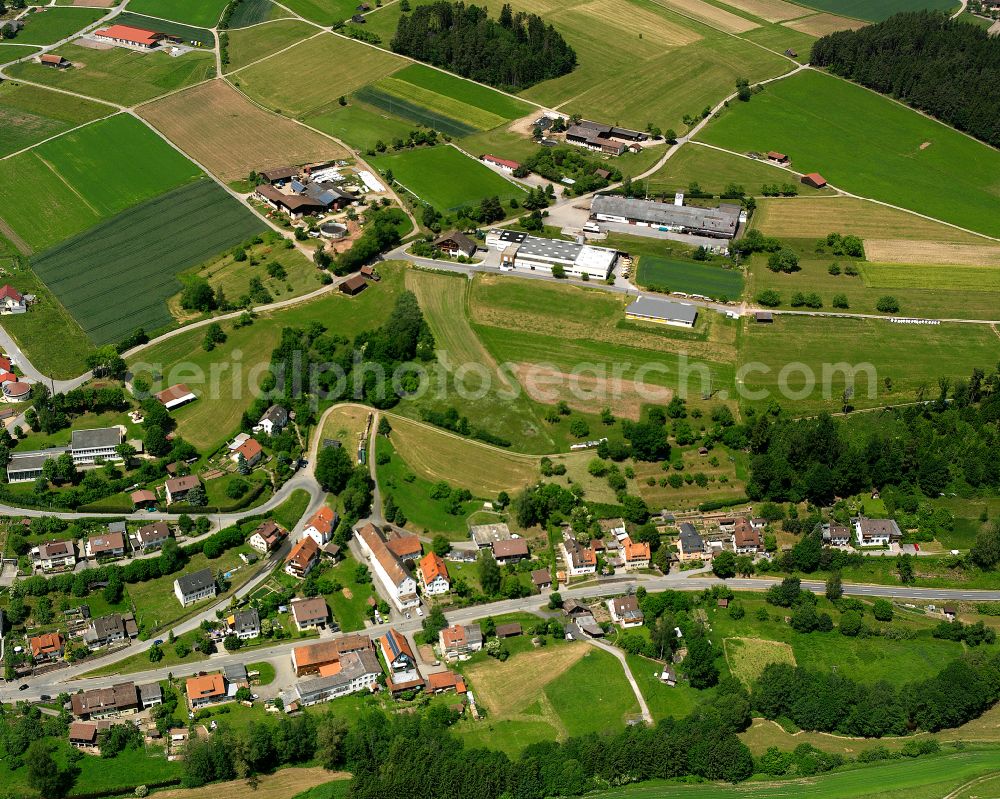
[510,180]
[68,185]
[171,93]
[265,22]
[465,439]
[279,52]
[79,95]
[58,135]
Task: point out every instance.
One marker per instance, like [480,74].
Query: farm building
[11,300]
[503,164]
[280,174]
[535,253]
[53,60]
[295,205]
[485,535]
[456,243]
[139,38]
[175,396]
[142,499]
[778,158]
[355,284]
[721,222]
[814,179]
[764,317]
[15,392]
[602,138]
[662,312]
[501,238]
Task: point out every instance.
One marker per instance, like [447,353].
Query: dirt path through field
[8,233]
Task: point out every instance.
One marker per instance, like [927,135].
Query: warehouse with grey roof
[662,312]
[721,222]
[534,253]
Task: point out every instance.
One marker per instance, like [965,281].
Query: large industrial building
[721,222]
[533,254]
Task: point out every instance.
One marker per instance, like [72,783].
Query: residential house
[267,537]
[250,450]
[55,556]
[273,421]
[625,611]
[47,647]
[727,525]
[636,554]
[244,624]
[542,579]
[150,695]
[83,734]
[236,677]
[310,659]
[876,532]
[746,540]
[836,535]
[579,560]
[458,642]
[178,488]
[205,689]
[690,545]
[434,575]
[11,300]
[175,396]
[510,551]
[310,614]
[101,703]
[303,557]
[758,524]
[194,587]
[405,547]
[353,672]
[484,535]
[142,498]
[321,525]
[399,586]
[151,537]
[110,629]
[456,243]
[401,663]
[109,546]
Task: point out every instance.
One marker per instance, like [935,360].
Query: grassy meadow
[877,10]
[49,25]
[30,114]
[253,44]
[689,277]
[915,162]
[200,13]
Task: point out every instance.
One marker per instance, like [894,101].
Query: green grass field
[66,185]
[120,75]
[464,91]
[690,277]
[915,162]
[105,276]
[49,25]
[713,170]
[405,101]
[446,178]
[30,114]
[779,38]
[325,12]
[361,125]
[877,10]
[253,44]
[350,612]
[910,356]
[299,82]
[11,52]
[253,12]
[200,13]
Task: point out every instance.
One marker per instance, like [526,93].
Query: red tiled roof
[501,161]
[322,520]
[208,686]
[404,545]
[249,449]
[634,551]
[129,34]
[7,290]
[46,644]
[443,680]
[432,567]
[303,553]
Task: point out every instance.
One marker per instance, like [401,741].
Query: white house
[399,586]
[876,532]
[434,575]
[194,587]
[625,611]
[579,560]
[321,525]
[244,624]
[273,421]
[11,300]
[266,537]
[55,556]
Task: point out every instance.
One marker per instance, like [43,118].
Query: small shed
[814,179]
[508,630]
[763,317]
[53,60]
[355,284]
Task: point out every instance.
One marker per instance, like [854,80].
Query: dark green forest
[948,68]
[512,53]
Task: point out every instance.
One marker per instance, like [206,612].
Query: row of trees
[946,67]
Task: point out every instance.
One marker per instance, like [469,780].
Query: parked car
[23,687]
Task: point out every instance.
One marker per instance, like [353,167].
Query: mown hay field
[822,24]
[914,162]
[747,657]
[715,16]
[300,82]
[771,10]
[30,114]
[902,251]
[323,12]
[116,277]
[118,74]
[68,184]
[803,216]
[206,120]
[248,45]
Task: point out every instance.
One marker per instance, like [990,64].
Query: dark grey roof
[512,236]
[667,310]
[150,691]
[237,672]
[690,540]
[97,437]
[116,527]
[555,249]
[30,461]
[276,414]
[196,581]
[247,619]
[720,221]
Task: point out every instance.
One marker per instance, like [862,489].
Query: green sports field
[30,114]
[52,24]
[106,278]
[66,185]
[914,162]
[690,277]
[200,13]
[118,74]
[877,10]
[446,178]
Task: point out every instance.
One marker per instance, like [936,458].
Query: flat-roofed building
[485,535]
[721,222]
[577,260]
[100,443]
[662,312]
[26,467]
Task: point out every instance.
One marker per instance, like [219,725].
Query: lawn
[140,661]
[200,13]
[689,277]
[105,276]
[119,74]
[298,82]
[877,10]
[66,185]
[446,178]
[210,420]
[413,495]
[49,25]
[909,356]
[261,41]
[748,657]
[349,611]
[663,701]
[265,672]
[714,170]
[31,114]
[915,162]
[599,676]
